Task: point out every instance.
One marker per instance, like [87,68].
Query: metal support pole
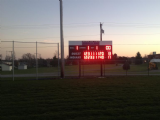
[100,32]
[79,68]
[36,63]
[58,59]
[13,61]
[101,69]
[62,42]
[101,40]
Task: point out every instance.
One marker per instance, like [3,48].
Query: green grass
[111,98]
[88,69]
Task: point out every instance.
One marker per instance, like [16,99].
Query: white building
[22,66]
[6,67]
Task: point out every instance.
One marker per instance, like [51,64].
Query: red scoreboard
[90,50]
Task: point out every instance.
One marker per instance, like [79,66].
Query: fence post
[36,63]
[58,60]
[13,61]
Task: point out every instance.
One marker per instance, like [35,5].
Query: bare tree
[9,57]
[28,58]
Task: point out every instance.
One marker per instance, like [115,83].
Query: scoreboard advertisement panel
[90,50]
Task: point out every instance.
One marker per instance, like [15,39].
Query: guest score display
[90,50]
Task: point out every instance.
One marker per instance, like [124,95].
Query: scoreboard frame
[90,50]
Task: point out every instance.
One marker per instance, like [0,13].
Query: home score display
[90,50]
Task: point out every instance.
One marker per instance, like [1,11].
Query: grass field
[110,98]
[93,69]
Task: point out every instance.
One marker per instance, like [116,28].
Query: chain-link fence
[29,59]
[38,60]
[110,68]
[87,68]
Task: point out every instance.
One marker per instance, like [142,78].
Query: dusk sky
[132,25]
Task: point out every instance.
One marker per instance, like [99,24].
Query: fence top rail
[30,42]
[46,43]
[58,43]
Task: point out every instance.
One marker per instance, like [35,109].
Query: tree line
[30,60]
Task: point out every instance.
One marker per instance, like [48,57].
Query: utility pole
[62,41]
[100,31]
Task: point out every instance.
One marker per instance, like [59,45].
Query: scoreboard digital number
[90,50]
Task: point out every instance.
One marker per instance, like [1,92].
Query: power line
[50,37]
[85,23]
[51,24]
[131,23]
[135,34]
[82,25]
[46,27]
[80,36]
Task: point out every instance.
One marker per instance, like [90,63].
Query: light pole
[62,41]
[100,32]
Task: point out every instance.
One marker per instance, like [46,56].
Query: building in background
[6,67]
[22,66]
[154,56]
